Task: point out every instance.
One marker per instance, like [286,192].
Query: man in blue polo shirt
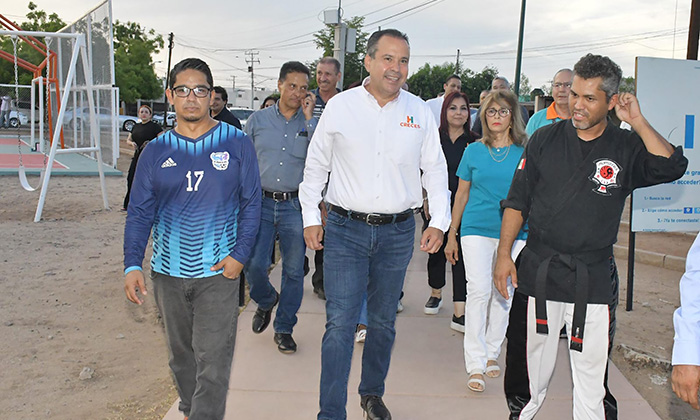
[197,189]
[559,109]
[281,135]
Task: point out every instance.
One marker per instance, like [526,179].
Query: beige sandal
[476,382]
[492,369]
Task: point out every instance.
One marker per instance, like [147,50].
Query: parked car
[242,114]
[104,118]
[18,119]
[170,122]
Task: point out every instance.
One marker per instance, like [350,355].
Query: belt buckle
[373,219]
[277,194]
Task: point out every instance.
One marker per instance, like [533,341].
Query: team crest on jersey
[219,160]
[605,176]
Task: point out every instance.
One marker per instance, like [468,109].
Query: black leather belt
[374,219]
[280,196]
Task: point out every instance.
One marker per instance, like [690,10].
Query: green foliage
[525,87]
[354,62]
[428,81]
[134,74]
[39,20]
[133,48]
[628,84]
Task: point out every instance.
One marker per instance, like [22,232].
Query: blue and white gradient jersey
[200,197]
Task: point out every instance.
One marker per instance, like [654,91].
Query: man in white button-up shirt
[374,141]
[685,378]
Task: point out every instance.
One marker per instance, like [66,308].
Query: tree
[525,87]
[39,20]
[428,81]
[354,62]
[134,47]
[628,84]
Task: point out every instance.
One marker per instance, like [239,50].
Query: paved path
[426,380]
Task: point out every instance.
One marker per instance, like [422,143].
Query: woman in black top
[141,134]
[455,135]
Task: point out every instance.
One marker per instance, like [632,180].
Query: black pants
[130,177]
[436,272]
[516,383]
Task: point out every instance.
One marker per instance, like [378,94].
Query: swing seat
[25,182]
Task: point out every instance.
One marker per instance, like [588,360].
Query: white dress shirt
[435,105]
[375,156]
[686,319]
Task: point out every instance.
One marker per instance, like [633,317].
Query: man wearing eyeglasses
[281,135]
[197,188]
[559,109]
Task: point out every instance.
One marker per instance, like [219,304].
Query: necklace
[500,153]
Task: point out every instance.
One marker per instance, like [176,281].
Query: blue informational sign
[673,111]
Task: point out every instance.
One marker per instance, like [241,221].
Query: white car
[18,119]
[171,121]
[242,114]
[104,118]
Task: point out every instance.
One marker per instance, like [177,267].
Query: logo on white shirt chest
[409,122]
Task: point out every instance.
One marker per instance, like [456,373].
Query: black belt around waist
[280,196]
[374,219]
[577,263]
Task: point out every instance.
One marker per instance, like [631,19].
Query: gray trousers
[200,317]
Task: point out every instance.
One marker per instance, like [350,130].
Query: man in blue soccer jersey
[197,188]
[281,135]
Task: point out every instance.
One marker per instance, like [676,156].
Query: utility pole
[251,63]
[339,45]
[694,30]
[457,63]
[235,94]
[519,60]
[171,37]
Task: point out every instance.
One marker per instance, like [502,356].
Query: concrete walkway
[427,379]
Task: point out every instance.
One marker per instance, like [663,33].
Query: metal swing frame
[79,49]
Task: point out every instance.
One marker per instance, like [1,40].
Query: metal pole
[251,69]
[630,263]
[167,79]
[519,60]
[457,63]
[694,30]
[339,41]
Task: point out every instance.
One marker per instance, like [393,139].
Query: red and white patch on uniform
[521,165]
[605,175]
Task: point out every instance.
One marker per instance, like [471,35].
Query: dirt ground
[63,312]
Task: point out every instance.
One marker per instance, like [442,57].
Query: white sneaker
[360,335]
[433,305]
[399,307]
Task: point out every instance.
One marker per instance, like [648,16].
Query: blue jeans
[360,259]
[363,311]
[283,218]
[200,316]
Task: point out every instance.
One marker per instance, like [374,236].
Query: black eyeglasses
[503,112]
[184,91]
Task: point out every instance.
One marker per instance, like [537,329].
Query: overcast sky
[557,33]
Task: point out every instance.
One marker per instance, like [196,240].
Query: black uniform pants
[516,383]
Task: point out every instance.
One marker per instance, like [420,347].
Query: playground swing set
[53,112]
